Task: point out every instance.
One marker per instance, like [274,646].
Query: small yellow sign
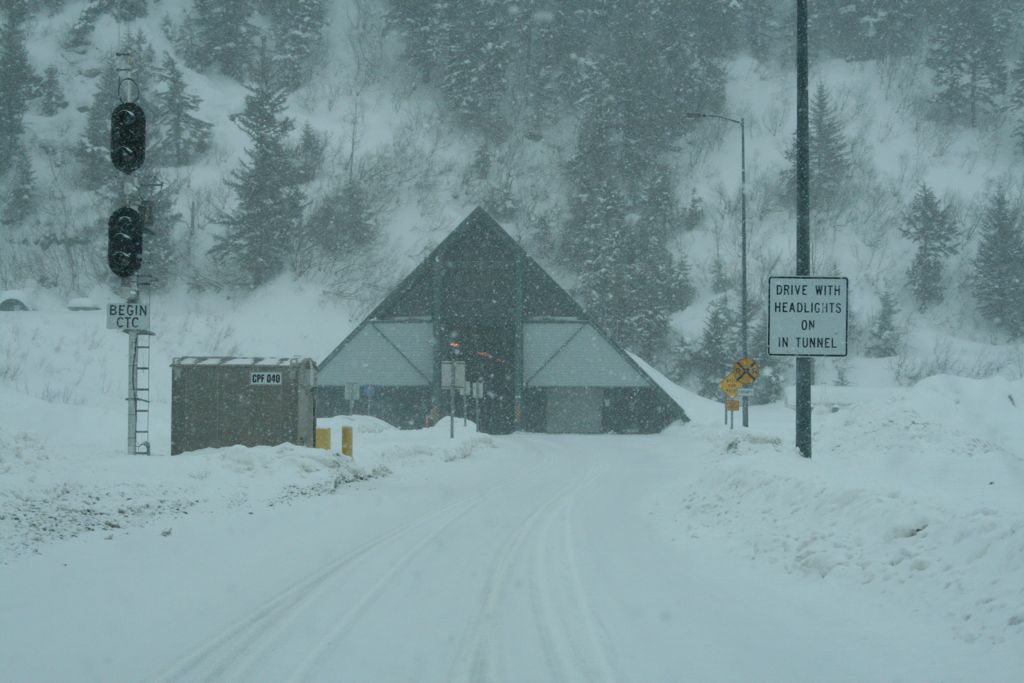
[732,405]
[323,438]
[746,371]
[730,386]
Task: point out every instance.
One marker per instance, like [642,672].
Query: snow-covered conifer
[17,80]
[263,229]
[884,338]
[933,228]
[51,94]
[185,136]
[967,58]
[998,277]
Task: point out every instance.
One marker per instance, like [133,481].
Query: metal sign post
[351,394]
[477,389]
[453,377]
[804,365]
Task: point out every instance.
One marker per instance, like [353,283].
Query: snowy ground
[703,553]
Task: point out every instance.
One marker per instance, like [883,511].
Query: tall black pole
[804,365]
[743,249]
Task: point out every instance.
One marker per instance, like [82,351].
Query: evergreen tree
[631,286]
[424,28]
[617,235]
[309,156]
[16,78]
[298,27]
[261,234]
[223,35]
[183,37]
[21,199]
[717,22]
[829,154]
[998,278]
[596,199]
[345,220]
[710,359]
[884,339]
[161,256]
[760,28]
[475,66]
[721,281]
[93,148]
[125,10]
[185,136]
[648,99]
[933,229]
[1017,101]
[967,58]
[51,95]
[79,35]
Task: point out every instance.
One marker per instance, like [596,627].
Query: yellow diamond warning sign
[746,371]
[730,386]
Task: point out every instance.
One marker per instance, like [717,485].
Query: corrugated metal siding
[384,354]
[574,354]
[213,404]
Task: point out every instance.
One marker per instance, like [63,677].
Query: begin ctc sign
[807,316]
[128,317]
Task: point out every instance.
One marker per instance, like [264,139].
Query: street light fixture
[743,237]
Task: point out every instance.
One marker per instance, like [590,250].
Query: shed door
[574,410]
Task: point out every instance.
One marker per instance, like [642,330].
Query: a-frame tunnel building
[479,298]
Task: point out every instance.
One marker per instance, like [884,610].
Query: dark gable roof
[543,295]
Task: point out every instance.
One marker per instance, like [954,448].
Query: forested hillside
[335,141]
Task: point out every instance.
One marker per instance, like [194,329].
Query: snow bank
[914,494]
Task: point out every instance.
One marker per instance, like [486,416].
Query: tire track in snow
[556,608]
[598,640]
[326,645]
[240,647]
[474,658]
[559,603]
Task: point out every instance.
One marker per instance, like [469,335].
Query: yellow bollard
[346,441]
[323,438]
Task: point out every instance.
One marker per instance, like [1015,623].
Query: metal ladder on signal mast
[139,362]
[139,441]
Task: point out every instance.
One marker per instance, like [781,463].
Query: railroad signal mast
[125,229]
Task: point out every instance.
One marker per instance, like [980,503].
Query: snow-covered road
[541,558]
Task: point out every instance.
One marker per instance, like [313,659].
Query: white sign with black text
[807,316]
[128,316]
[265,379]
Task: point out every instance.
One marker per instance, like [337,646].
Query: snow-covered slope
[900,539]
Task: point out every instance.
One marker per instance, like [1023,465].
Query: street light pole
[743,239]
[743,249]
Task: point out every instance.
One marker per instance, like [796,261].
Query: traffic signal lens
[124,242]
[127,137]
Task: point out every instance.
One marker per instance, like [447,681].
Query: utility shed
[226,401]
[480,299]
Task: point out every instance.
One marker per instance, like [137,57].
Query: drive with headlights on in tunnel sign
[807,316]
